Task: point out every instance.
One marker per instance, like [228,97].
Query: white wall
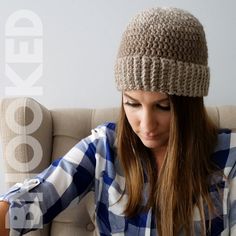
[81,39]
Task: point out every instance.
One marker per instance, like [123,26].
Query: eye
[132,104]
[163,107]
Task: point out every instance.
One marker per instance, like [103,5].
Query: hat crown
[163,50]
[169,33]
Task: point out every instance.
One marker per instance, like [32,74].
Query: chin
[151,144]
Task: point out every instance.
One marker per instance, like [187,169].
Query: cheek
[167,122]
[132,118]
[164,121]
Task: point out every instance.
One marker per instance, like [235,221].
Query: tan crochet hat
[164,50]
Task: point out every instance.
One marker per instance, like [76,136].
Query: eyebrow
[161,100]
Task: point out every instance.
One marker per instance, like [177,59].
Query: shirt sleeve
[232,186]
[38,200]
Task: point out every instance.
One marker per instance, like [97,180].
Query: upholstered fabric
[57,131]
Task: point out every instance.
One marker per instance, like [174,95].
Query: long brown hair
[183,180]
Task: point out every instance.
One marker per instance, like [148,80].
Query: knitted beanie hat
[163,50]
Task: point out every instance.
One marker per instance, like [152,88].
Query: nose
[148,122]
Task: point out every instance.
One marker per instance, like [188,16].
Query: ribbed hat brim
[162,75]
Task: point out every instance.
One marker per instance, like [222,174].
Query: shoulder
[100,143]
[225,151]
[105,132]
[107,129]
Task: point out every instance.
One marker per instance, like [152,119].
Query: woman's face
[149,116]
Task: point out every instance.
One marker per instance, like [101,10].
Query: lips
[150,137]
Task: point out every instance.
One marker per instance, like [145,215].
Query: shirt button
[90,227]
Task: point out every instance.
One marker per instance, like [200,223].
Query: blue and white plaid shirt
[91,165]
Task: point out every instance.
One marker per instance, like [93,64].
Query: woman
[164,169]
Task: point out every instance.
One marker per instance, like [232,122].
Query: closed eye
[158,106]
[164,108]
[132,104]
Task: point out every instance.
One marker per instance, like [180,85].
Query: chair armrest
[26,138]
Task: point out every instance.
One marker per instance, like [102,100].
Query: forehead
[140,95]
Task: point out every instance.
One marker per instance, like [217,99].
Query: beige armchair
[32,136]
